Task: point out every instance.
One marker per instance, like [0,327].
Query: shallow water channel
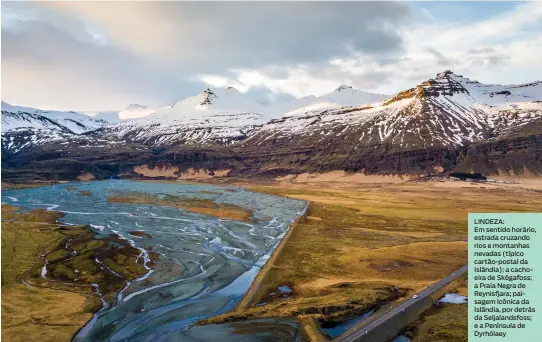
[207,263]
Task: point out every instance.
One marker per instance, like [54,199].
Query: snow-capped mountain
[348,96]
[343,96]
[447,111]
[447,122]
[134,111]
[16,117]
[220,115]
[111,117]
[208,102]
[23,127]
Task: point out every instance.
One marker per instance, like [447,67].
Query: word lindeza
[488,221]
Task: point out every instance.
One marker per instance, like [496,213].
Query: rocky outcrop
[86,176]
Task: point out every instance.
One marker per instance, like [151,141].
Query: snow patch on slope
[134,111]
[15,117]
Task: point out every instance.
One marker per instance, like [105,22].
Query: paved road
[359,330]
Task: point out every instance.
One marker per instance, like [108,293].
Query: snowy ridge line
[447,111]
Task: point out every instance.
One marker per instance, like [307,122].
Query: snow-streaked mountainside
[24,127]
[224,116]
[343,96]
[16,117]
[447,111]
[220,116]
[448,123]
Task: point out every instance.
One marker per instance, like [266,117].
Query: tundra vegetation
[444,322]
[361,246]
[48,270]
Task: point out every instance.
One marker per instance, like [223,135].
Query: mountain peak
[134,111]
[208,96]
[444,74]
[343,87]
[135,106]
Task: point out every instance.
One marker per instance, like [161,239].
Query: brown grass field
[366,244]
[32,313]
[54,307]
[360,245]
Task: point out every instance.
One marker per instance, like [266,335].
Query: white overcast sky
[92,56]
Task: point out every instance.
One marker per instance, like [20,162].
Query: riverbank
[249,297]
[358,244]
[364,244]
[443,321]
[52,282]
[30,309]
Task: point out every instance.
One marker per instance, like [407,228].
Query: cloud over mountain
[102,55]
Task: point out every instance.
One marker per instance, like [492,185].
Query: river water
[208,263]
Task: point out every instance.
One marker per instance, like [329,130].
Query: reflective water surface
[207,264]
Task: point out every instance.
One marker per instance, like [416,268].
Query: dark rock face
[512,154]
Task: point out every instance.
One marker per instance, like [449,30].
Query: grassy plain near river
[445,322]
[364,244]
[53,303]
[30,311]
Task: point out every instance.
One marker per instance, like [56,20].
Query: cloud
[45,66]
[266,97]
[105,55]
[214,35]
[479,50]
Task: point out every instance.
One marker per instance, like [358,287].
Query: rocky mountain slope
[24,127]
[446,123]
[448,111]
[428,126]
[16,117]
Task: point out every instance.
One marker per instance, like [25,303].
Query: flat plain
[361,245]
[48,272]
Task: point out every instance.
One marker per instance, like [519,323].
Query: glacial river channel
[209,262]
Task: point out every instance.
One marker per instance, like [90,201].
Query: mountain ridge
[436,124]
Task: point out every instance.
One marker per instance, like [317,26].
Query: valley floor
[32,307]
[363,244]
[50,274]
[360,244]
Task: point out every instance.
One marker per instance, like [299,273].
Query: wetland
[142,261]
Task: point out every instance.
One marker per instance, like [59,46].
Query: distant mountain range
[343,96]
[446,123]
[220,115]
